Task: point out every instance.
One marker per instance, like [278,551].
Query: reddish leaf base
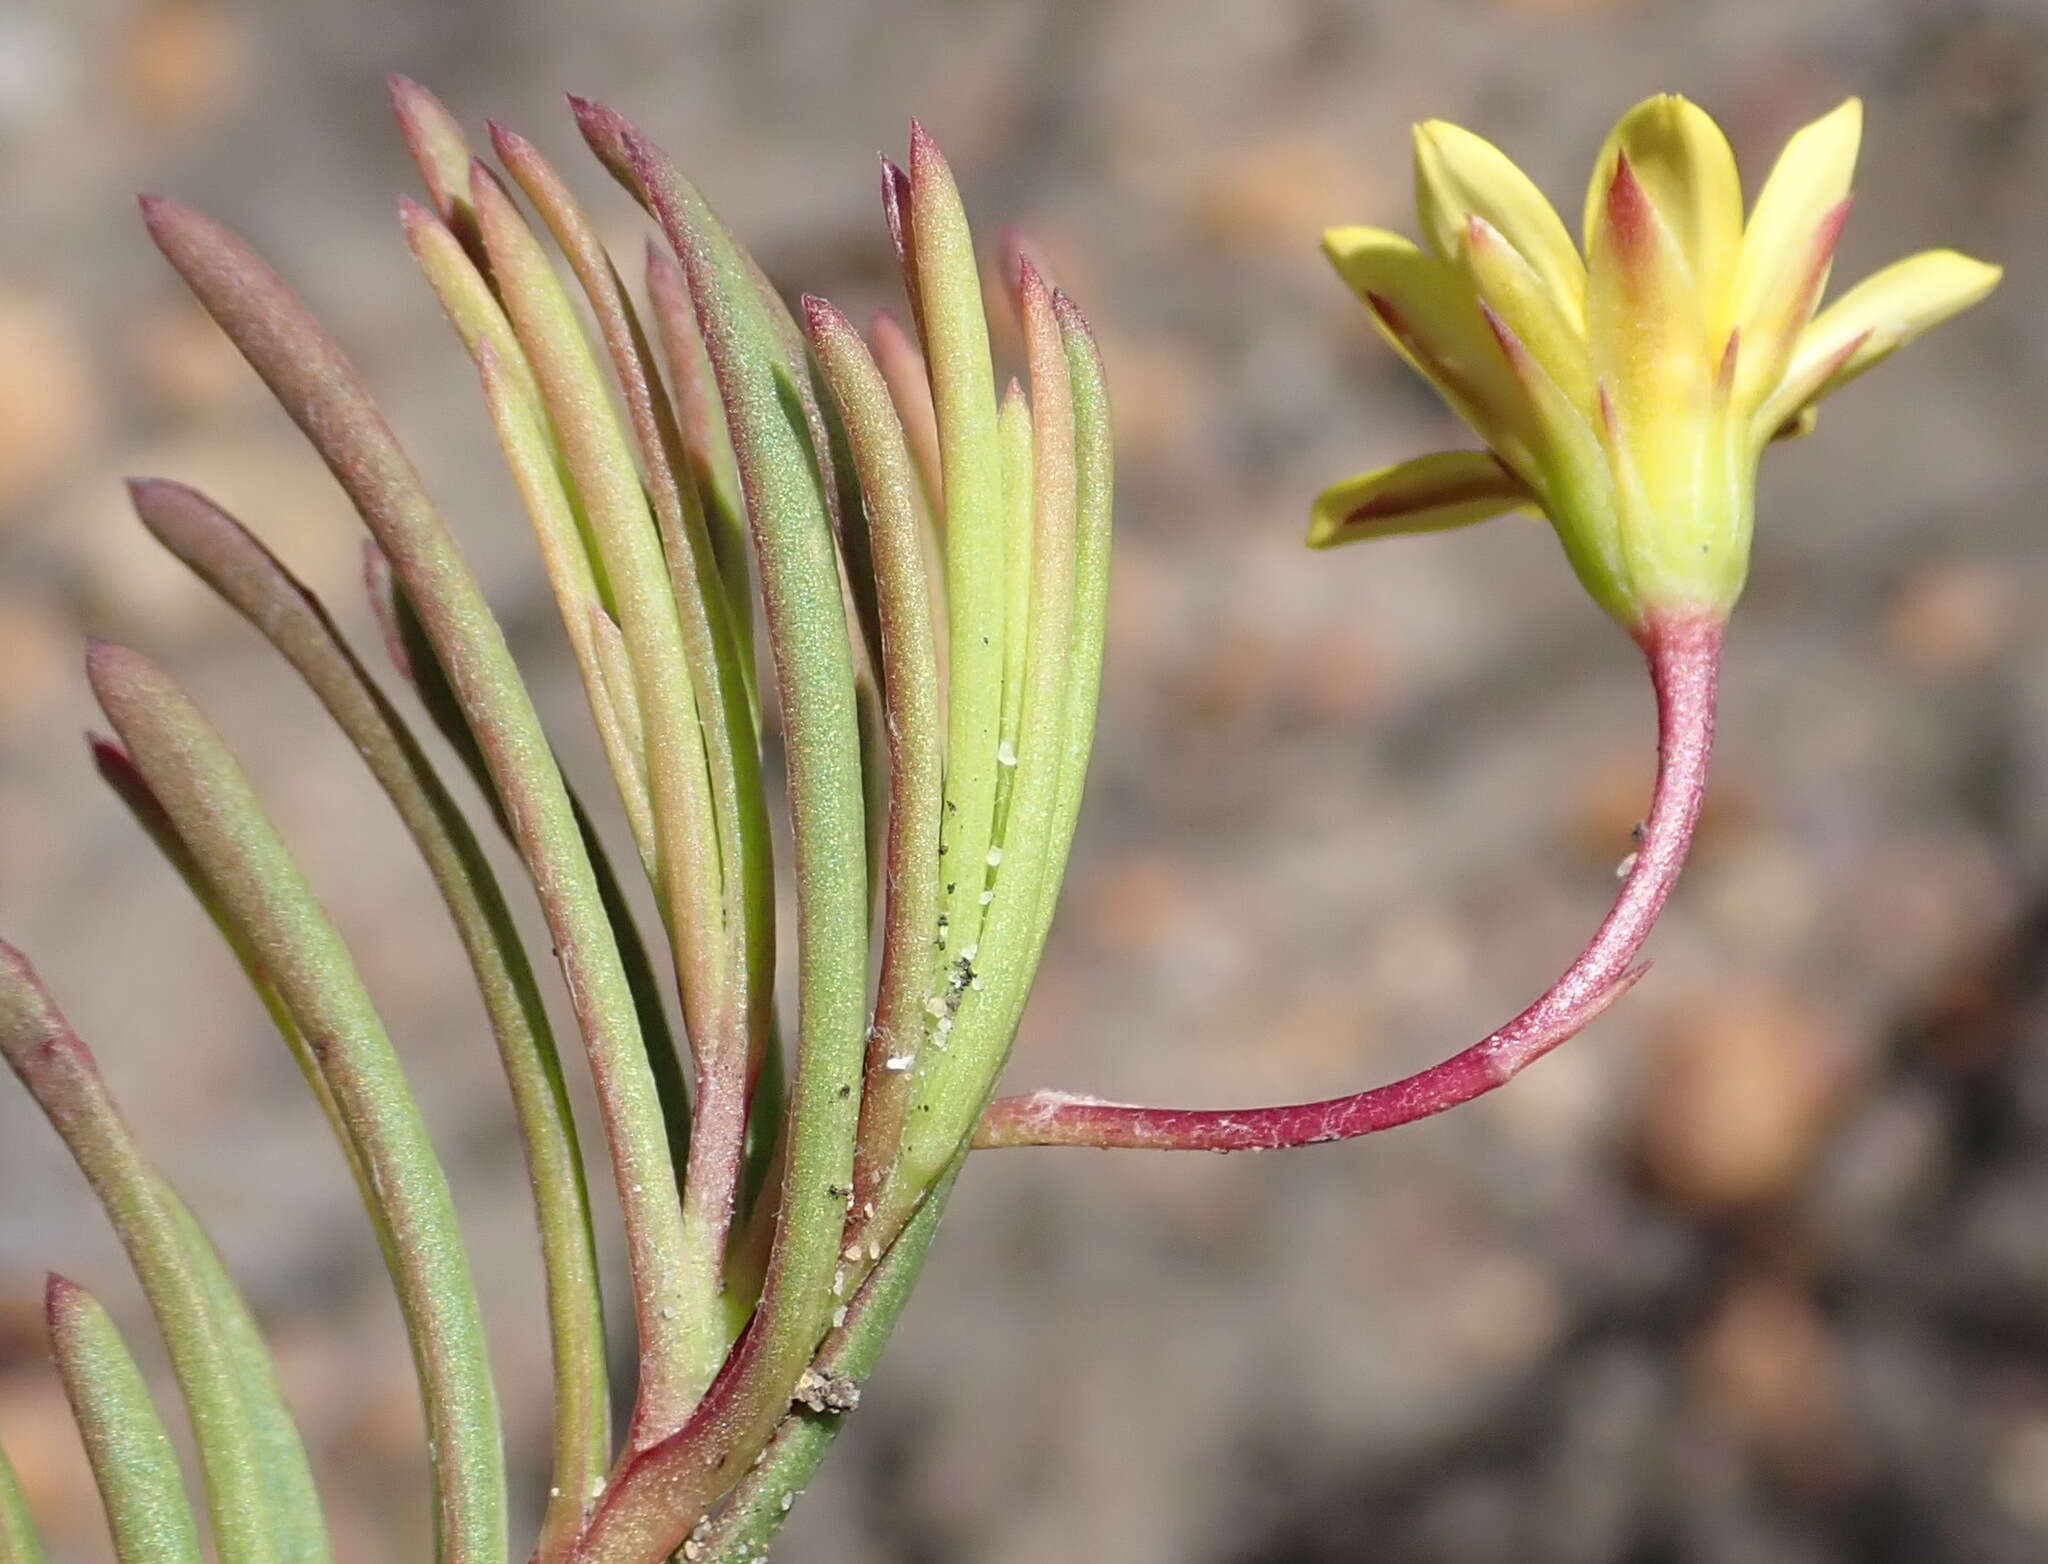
[1684,652]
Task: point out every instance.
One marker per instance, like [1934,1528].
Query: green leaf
[441,153]
[301,1529]
[807,629]
[19,1543]
[132,1459]
[231,561]
[970,452]
[60,1074]
[420,666]
[1013,431]
[916,730]
[987,989]
[321,390]
[1094,495]
[119,773]
[707,446]
[251,871]
[764,1498]
[728,1059]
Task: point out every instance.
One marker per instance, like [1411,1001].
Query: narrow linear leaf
[441,153]
[764,1499]
[916,736]
[988,994]
[19,1541]
[623,732]
[1014,929]
[760,1187]
[700,421]
[60,1074]
[118,771]
[301,1527]
[210,803]
[682,1350]
[910,388]
[413,655]
[718,655]
[533,455]
[807,629]
[1094,497]
[321,390]
[301,1530]
[957,351]
[252,580]
[896,213]
[1013,434]
[133,1462]
[725,704]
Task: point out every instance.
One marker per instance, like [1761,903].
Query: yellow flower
[1628,393]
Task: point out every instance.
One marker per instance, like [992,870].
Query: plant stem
[764,1498]
[1684,657]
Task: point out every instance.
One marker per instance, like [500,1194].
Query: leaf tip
[415,218]
[159,213]
[145,493]
[509,144]
[63,1299]
[822,317]
[927,162]
[607,132]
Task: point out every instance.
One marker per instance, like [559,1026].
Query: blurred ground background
[1755,1273]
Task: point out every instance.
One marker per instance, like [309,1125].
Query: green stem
[763,1500]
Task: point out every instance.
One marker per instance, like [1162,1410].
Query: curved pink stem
[1684,652]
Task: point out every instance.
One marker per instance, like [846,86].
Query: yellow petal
[1789,244]
[1572,475]
[1427,494]
[1642,318]
[1510,286]
[1426,308]
[1459,176]
[1873,320]
[1687,169]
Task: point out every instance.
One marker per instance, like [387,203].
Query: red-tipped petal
[1630,215]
